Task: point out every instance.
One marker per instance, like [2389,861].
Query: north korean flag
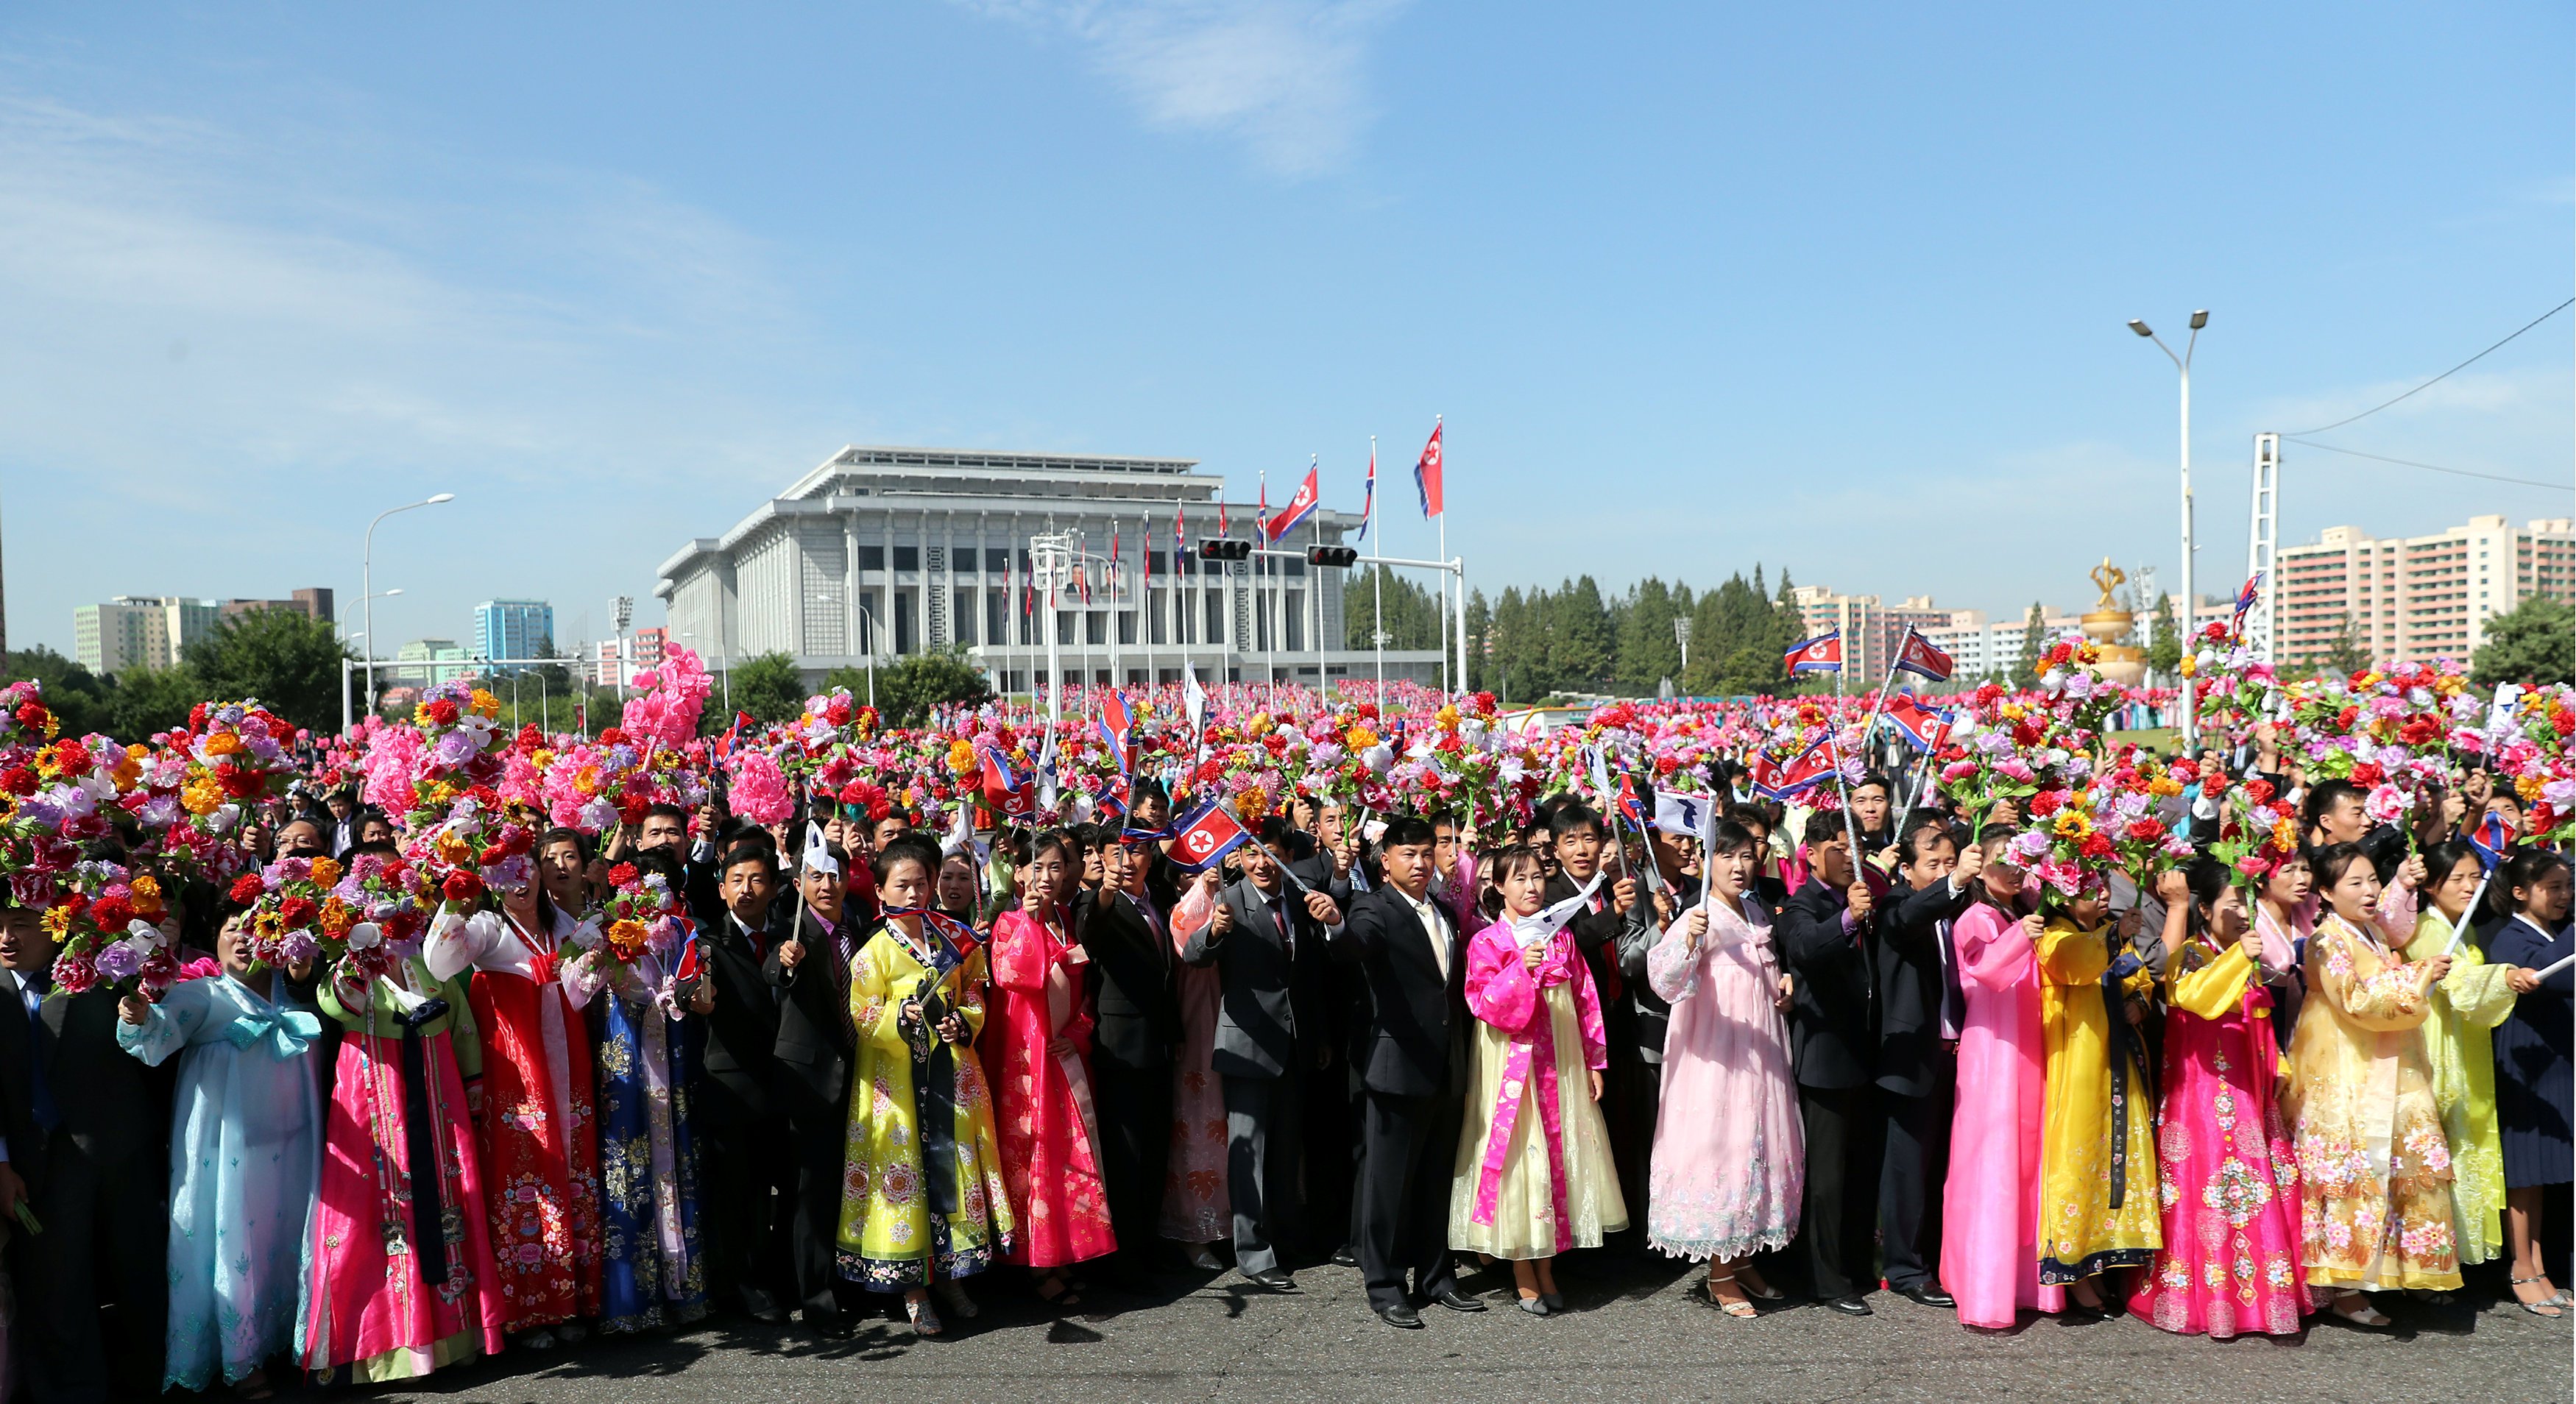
[2490,840]
[1117,727]
[1804,770]
[1426,475]
[1005,788]
[1208,834]
[1629,805]
[1299,508]
[1917,655]
[1923,727]
[2246,597]
[1821,654]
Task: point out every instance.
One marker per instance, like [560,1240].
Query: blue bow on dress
[287,1033]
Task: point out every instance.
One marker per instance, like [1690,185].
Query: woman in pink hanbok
[1990,1205]
[2226,1171]
[1534,1176]
[1729,1146]
[1037,1040]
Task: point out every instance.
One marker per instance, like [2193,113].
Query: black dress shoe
[1399,1316]
[1272,1281]
[1929,1294]
[1344,1257]
[1456,1300]
[1850,1306]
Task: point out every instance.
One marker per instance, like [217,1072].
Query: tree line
[1534,643]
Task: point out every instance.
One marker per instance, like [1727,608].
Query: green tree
[78,697]
[2164,641]
[907,691]
[2534,642]
[2034,644]
[147,700]
[287,659]
[769,687]
[2345,652]
[1586,641]
[1648,653]
[1411,617]
[1480,642]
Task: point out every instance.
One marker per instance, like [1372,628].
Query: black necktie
[41,1095]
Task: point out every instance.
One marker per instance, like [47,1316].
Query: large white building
[888,552]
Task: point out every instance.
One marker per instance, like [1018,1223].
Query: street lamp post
[2190,601]
[870,616]
[1681,635]
[367,585]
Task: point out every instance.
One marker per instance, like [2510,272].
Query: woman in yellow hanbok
[2459,1047]
[2374,1165]
[922,1199]
[2097,1190]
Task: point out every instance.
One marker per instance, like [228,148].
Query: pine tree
[1586,644]
[2034,643]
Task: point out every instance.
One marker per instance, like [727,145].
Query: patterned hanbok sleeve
[1672,965]
[2476,990]
[2384,1001]
[1499,988]
[874,1008]
[181,1018]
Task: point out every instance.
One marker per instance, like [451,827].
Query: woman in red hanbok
[540,1144]
[1037,1038]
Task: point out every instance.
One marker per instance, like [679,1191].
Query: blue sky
[1695,285]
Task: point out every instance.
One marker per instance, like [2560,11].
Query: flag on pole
[1117,728]
[1917,655]
[1804,770]
[1368,503]
[1630,807]
[1005,788]
[1261,513]
[1684,814]
[1208,834]
[1821,654]
[1922,727]
[2490,839]
[2245,599]
[1426,474]
[1194,699]
[1117,568]
[1221,528]
[1299,508]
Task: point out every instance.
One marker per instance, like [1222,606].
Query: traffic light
[1223,548]
[1331,555]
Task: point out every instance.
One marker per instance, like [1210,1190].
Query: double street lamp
[367,585]
[2190,601]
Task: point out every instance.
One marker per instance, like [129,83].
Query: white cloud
[1283,76]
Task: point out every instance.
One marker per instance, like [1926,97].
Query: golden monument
[2120,663]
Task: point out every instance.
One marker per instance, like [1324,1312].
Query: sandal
[1065,1294]
[1758,1289]
[1740,1310]
[2362,1315]
[2548,1308]
[958,1302]
[925,1318]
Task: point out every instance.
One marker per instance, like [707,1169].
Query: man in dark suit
[810,970]
[750,1164]
[1267,943]
[1416,1075]
[87,1127]
[1136,1025]
[1825,933]
[1921,1007]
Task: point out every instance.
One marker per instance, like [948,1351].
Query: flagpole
[1875,707]
[1834,748]
[1377,577]
[1914,792]
[1444,555]
[1315,595]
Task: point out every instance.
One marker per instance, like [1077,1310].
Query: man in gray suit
[1268,944]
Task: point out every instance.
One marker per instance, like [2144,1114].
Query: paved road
[1637,1333]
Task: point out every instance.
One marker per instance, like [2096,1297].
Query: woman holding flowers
[924,1202]
[1036,1049]
[402,1279]
[1729,1155]
[2227,1175]
[2374,1166]
[2097,1198]
[2459,1046]
[245,1153]
[539,1139]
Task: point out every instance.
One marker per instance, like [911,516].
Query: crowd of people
[1824,1047]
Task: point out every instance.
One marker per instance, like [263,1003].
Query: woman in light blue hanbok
[245,1157]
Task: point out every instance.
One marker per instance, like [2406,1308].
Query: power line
[2430,467]
[2427,385]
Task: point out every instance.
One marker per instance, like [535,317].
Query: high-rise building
[139,631]
[512,629]
[429,662]
[1871,630]
[2416,598]
[313,603]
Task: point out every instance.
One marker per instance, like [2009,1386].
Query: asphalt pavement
[1638,1331]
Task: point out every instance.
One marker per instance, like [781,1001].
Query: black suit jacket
[1274,1003]
[742,1033]
[1136,1012]
[1417,1044]
[1832,1017]
[1909,985]
[105,1098]
[814,1041]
